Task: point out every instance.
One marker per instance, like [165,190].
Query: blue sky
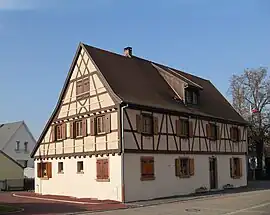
[38,39]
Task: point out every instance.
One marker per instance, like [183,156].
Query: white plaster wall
[21,135]
[82,185]
[167,184]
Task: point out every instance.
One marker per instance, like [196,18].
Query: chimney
[128,51]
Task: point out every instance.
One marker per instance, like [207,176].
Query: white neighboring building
[128,129]
[17,142]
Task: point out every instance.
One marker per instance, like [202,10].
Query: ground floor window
[184,167]
[147,168]
[44,170]
[60,167]
[236,167]
[80,167]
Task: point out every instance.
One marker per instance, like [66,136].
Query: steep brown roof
[137,81]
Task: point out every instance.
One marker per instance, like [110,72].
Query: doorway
[213,173]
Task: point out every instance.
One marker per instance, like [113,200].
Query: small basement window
[80,167]
[60,167]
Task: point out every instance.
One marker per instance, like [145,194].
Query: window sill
[44,178]
[183,136]
[101,134]
[147,134]
[80,172]
[103,180]
[236,177]
[184,176]
[148,178]
[61,173]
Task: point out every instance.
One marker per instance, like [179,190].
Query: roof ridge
[140,58]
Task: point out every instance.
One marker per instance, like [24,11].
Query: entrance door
[213,173]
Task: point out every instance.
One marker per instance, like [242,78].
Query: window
[82,88]
[182,127]
[147,124]
[212,131]
[78,128]
[59,132]
[236,167]
[147,168]
[80,167]
[44,170]
[235,134]
[100,124]
[191,96]
[60,167]
[25,146]
[17,145]
[102,169]
[184,167]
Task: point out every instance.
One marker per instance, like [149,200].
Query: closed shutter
[105,169]
[92,126]
[231,133]
[231,168]
[139,123]
[191,167]
[155,122]
[208,130]
[178,127]
[239,134]
[190,129]
[72,130]
[49,169]
[177,167]
[39,170]
[218,132]
[64,130]
[107,123]
[53,132]
[99,169]
[240,167]
[84,127]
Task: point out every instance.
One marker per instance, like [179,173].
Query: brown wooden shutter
[177,167]
[99,169]
[231,167]
[191,167]
[139,123]
[178,127]
[239,134]
[92,126]
[53,132]
[64,130]
[240,167]
[72,130]
[84,127]
[107,123]
[208,130]
[231,133]
[105,169]
[190,129]
[39,170]
[218,133]
[155,122]
[49,169]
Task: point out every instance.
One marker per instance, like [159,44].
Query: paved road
[246,203]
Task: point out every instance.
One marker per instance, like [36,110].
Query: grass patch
[5,209]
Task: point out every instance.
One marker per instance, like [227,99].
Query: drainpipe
[122,153]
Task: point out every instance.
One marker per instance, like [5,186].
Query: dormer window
[191,97]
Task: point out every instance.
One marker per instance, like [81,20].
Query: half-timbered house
[129,129]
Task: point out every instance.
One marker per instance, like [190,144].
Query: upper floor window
[59,132]
[235,134]
[147,124]
[191,97]
[17,145]
[212,131]
[82,88]
[25,146]
[100,124]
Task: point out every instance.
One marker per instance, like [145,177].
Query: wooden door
[213,173]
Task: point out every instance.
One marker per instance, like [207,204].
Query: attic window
[82,88]
[191,97]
